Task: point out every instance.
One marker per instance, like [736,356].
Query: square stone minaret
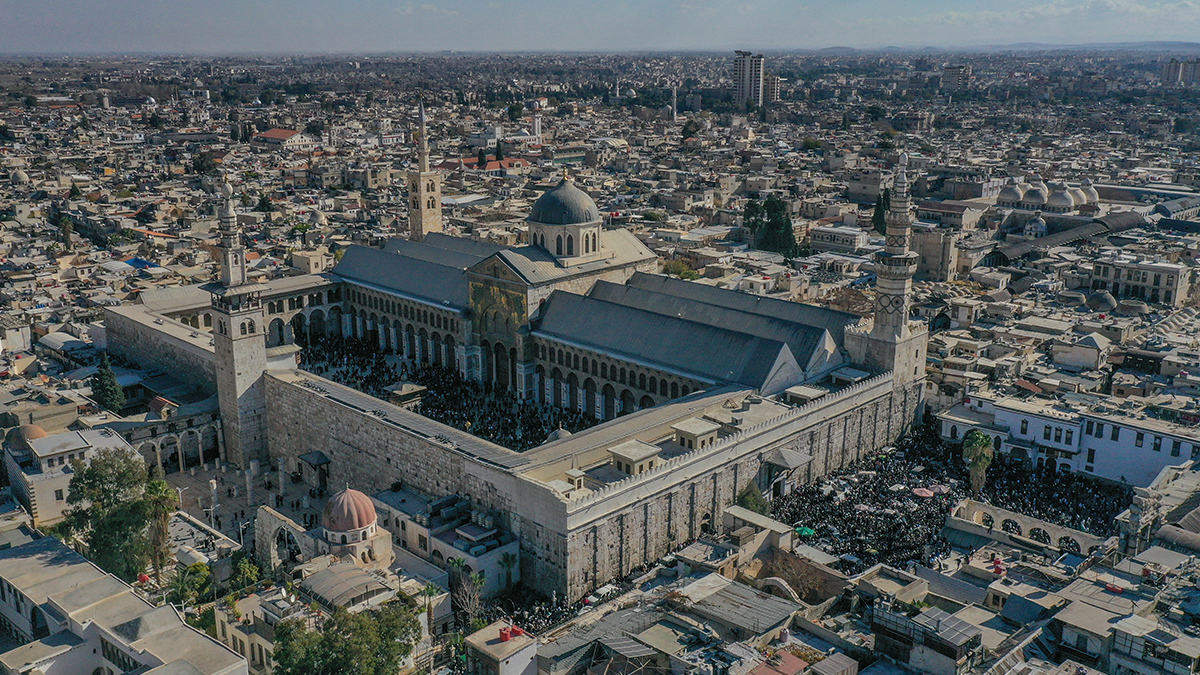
[240,345]
[424,191]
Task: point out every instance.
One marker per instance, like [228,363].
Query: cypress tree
[106,391]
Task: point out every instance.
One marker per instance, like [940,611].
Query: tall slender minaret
[424,190]
[895,265]
[895,343]
[239,343]
[674,104]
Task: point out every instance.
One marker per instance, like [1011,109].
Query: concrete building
[1109,442]
[71,617]
[501,649]
[748,78]
[40,466]
[1143,278]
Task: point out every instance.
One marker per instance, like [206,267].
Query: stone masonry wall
[570,548]
[133,336]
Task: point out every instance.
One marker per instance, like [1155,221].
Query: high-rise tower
[239,341]
[748,78]
[424,190]
[895,343]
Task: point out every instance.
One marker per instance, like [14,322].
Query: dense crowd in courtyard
[494,415]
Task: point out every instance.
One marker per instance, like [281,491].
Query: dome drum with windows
[566,223]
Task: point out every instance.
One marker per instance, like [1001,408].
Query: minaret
[895,342]
[424,190]
[239,344]
[896,264]
[674,104]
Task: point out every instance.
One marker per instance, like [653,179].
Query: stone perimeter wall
[570,547]
[621,529]
[151,347]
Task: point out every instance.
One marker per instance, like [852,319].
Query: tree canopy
[751,498]
[107,496]
[373,642]
[774,232]
[106,391]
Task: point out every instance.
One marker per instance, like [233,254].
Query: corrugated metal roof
[438,283]
[687,347]
[821,317]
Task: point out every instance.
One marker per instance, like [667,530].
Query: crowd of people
[890,506]
[869,513]
[492,414]
[1063,498]
[355,363]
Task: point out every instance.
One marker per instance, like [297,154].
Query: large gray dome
[564,204]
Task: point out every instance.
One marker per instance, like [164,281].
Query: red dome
[348,510]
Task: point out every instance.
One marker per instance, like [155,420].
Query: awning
[315,458]
[787,459]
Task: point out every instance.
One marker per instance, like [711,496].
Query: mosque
[700,391]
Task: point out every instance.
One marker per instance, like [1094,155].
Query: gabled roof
[443,249]
[535,265]
[671,343]
[832,320]
[422,279]
[277,134]
[802,338]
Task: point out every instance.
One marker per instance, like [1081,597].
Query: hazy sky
[224,26]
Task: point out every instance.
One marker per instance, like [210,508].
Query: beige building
[1142,278]
[39,466]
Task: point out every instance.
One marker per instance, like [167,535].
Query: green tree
[374,642]
[106,391]
[751,498]
[508,561]
[879,217]
[75,193]
[679,269]
[514,112]
[161,502]
[264,204]
[481,159]
[204,164]
[108,506]
[978,452]
[499,151]
[753,218]
[429,593]
[776,234]
[691,128]
[244,573]
[810,143]
[190,584]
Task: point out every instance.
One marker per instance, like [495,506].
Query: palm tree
[430,592]
[508,561]
[456,565]
[162,500]
[977,450]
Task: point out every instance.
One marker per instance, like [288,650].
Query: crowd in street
[495,415]
[890,506]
